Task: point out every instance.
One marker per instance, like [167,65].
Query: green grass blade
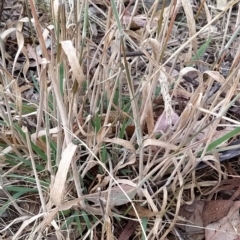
[6,205]
[223,139]
[35,148]
[144,225]
[28,179]
[201,51]
[13,160]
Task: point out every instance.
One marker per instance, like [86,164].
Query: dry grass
[113,119]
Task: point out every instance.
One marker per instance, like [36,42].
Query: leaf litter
[132,117]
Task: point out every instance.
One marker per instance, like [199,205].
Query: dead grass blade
[58,189]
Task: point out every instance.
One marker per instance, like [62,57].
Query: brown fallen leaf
[215,210]
[193,215]
[142,212]
[201,213]
[116,195]
[128,230]
[165,121]
[227,227]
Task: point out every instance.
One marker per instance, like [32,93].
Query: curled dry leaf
[155,46]
[216,76]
